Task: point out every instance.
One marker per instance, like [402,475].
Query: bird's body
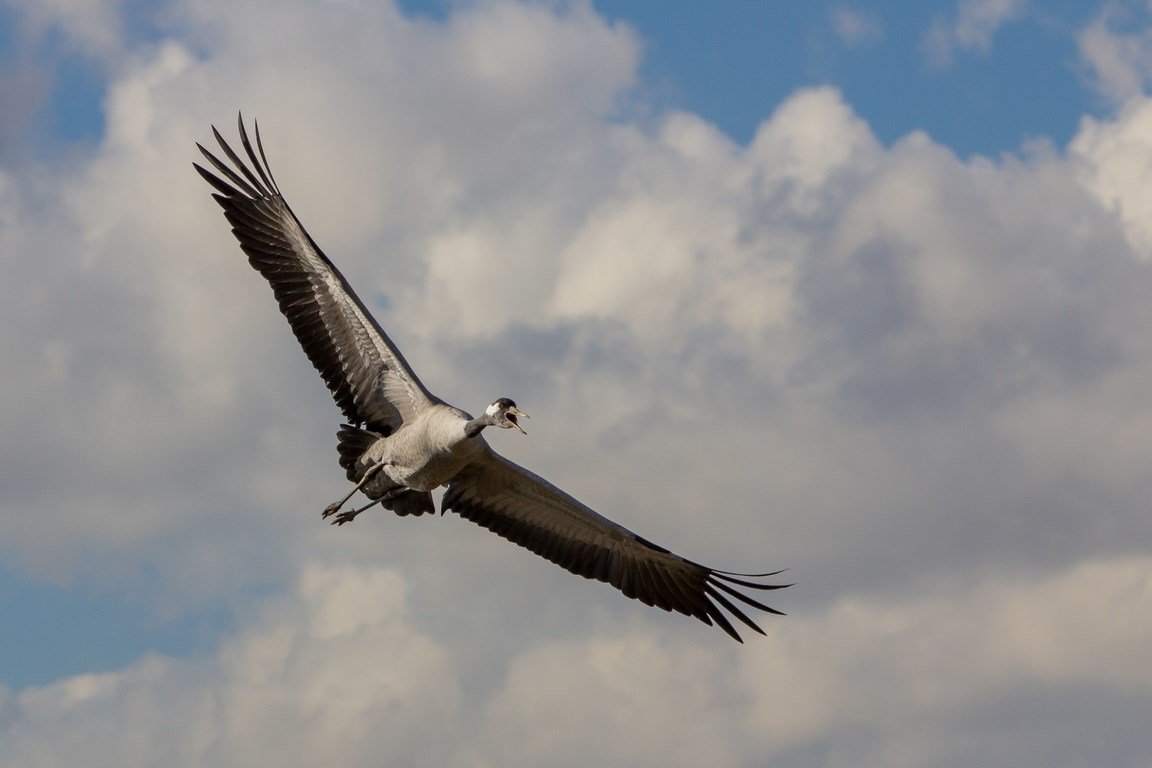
[403,442]
[428,452]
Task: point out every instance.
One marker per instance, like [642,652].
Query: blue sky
[856,289]
[69,629]
[734,62]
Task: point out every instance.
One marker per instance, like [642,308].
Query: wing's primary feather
[528,510]
[367,375]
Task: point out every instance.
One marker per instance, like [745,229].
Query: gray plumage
[404,442]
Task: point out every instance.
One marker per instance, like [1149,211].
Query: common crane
[402,441]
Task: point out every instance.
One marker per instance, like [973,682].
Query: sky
[857,290]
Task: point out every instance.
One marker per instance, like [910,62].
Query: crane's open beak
[511,415]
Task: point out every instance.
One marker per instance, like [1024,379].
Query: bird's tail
[411,503]
[352,443]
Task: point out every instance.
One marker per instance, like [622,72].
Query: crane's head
[506,415]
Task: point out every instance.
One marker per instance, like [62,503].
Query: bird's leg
[369,473]
[350,515]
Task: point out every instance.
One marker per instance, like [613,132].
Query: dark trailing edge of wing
[668,581]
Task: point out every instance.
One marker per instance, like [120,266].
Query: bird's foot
[331,509]
[346,517]
[350,515]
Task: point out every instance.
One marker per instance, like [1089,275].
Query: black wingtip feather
[215,181]
[732,609]
[242,187]
[750,584]
[252,155]
[260,146]
[722,622]
[744,598]
[749,575]
[254,189]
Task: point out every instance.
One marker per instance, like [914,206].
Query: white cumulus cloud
[1113,155]
[333,670]
[338,669]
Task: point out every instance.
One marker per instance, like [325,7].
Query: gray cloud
[341,666]
[22,91]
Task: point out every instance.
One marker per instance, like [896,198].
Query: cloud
[856,28]
[865,683]
[334,668]
[1119,63]
[22,91]
[1112,155]
[972,28]
[916,379]
[93,29]
[340,668]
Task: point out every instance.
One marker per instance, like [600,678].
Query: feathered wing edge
[552,524]
[335,329]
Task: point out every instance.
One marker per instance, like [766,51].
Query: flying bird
[402,441]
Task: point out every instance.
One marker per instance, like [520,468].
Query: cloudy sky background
[853,289]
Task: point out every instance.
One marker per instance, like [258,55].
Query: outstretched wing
[367,375]
[528,510]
